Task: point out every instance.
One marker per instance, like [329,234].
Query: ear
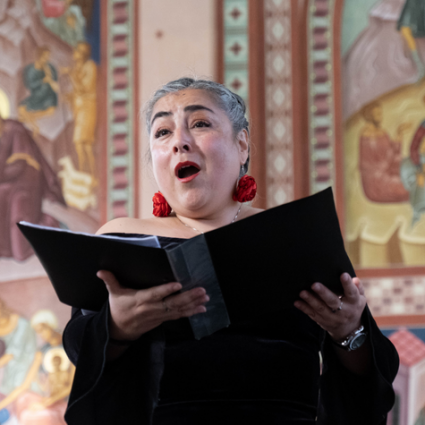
[242,141]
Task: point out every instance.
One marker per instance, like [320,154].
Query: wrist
[341,334]
[120,333]
[353,340]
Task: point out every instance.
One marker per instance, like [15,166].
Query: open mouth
[187,169]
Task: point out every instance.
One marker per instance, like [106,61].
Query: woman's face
[196,159]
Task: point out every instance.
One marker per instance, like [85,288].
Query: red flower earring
[161,208]
[246,189]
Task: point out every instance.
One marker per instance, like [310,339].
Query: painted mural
[409,408]
[383,82]
[384,153]
[49,175]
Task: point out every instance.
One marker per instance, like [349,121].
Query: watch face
[358,341]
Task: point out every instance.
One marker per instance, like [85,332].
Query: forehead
[175,101]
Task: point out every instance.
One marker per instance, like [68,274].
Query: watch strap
[345,343]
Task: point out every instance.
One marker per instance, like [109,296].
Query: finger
[192,311]
[158,293]
[315,304]
[327,321]
[306,308]
[196,302]
[359,285]
[327,296]
[181,300]
[187,312]
[351,291]
[111,282]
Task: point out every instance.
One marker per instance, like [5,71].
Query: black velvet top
[266,372]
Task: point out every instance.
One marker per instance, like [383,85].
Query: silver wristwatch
[353,341]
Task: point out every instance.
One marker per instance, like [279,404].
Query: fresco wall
[383,107]
[49,174]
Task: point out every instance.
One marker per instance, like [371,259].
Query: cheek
[160,161]
[225,168]
[225,157]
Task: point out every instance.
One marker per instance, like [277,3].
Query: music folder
[251,268]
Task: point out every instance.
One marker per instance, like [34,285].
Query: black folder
[251,268]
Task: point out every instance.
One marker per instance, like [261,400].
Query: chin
[193,200]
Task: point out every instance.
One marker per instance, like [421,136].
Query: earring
[161,208]
[246,189]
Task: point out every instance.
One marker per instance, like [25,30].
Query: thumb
[111,283]
[359,285]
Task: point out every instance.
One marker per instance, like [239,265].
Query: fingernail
[316,286]
[177,287]
[297,304]
[304,295]
[207,298]
[345,277]
[98,275]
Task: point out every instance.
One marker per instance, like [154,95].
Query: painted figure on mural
[379,59]
[64,19]
[83,76]
[380,159]
[413,172]
[18,357]
[44,402]
[383,85]
[412,26]
[41,79]
[25,180]
[40,399]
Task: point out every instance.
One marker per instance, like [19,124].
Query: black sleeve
[347,398]
[122,391]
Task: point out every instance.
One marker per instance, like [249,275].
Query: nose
[182,140]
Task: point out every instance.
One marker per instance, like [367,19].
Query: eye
[160,133]
[200,124]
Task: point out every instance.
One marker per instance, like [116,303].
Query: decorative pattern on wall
[120,153]
[321,94]
[236,47]
[395,296]
[278,69]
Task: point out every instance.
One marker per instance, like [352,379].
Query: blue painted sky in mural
[92,32]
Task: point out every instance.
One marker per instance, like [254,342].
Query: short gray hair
[231,103]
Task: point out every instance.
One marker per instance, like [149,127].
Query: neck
[212,221]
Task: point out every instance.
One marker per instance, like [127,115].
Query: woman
[137,361]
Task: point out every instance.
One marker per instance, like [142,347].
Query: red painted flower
[246,190]
[161,207]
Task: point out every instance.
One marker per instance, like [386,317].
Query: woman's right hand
[135,312]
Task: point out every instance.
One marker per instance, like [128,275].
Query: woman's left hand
[338,316]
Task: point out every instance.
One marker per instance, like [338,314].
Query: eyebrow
[189,108]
